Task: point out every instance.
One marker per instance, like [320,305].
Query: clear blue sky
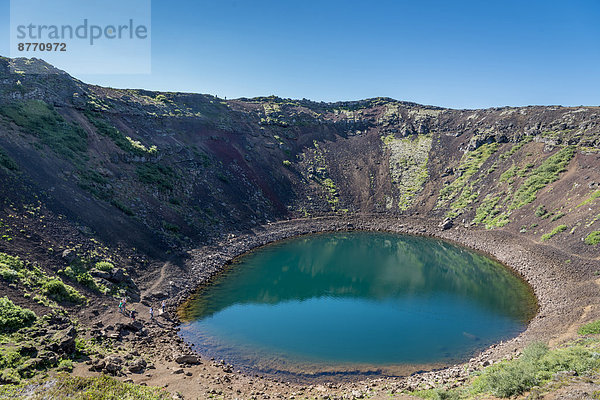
[461,54]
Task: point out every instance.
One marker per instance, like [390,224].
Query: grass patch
[592,328]
[555,231]
[59,291]
[548,172]
[156,174]
[536,366]
[490,213]
[13,269]
[460,191]
[587,201]
[593,238]
[41,119]
[78,388]
[13,317]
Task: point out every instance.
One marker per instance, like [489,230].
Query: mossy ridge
[408,166]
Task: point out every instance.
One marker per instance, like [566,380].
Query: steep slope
[133,178]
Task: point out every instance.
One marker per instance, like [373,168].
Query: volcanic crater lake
[356,301]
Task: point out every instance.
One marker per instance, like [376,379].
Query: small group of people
[132,312]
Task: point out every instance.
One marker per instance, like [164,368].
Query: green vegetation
[590,199]
[7,162]
[77,388]
[509,174]
[56,289]
[535,367]
[287,163]
[593,238]
[558,229]
[40,119]
[461,190]
[408,166]
[541,211]
[490,213]
[13,269]
[558,216]
[156,174]
[592,328]
[125,143]
[13,317]
[104,266]
[548,172]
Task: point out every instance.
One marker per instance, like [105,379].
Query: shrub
[558,229]
[104,266]
[541,211]
[536,366]
[593,238]
[65,365]
[13,317]
[287,163]
[56,289]
[64,386]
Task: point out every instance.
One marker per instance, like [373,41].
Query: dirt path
[159,281]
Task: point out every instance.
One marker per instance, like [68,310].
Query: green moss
[549,171]
[593,238]
[555,231]
[13,317]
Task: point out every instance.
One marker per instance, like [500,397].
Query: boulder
[187,359]
[113,364]
[138,366]
[63,342]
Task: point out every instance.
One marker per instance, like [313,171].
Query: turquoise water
[357,300]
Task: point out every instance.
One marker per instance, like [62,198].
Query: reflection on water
[357,299]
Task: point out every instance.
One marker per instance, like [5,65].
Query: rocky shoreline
[564,284]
